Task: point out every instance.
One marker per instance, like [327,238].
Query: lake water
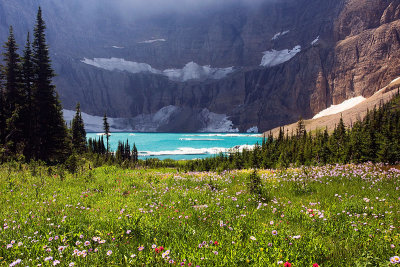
[181,145]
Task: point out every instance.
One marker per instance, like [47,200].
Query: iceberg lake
[179,146]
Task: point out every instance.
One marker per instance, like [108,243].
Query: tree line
[376,138]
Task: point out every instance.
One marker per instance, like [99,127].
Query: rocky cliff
[262,65]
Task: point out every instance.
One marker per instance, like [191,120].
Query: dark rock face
[357,53]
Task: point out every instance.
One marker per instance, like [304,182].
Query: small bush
[256,188]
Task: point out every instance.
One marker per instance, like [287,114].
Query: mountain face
[226,68]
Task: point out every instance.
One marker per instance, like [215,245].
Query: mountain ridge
[348,48]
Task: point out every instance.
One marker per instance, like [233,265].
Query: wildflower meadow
[335,215]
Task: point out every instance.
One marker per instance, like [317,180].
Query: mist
[145,8]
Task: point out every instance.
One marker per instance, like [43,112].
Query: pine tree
[2,109]
[135,155]
[119,153]
[12,71]
[301,128]
[106,128]
[14,99]
[27,84]
[50,132]
[78,131]
[127,150]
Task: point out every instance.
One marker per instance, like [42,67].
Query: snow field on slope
[345,105]
[274,57]
[191,71]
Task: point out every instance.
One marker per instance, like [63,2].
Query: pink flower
[287,264]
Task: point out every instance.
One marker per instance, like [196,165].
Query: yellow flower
[261,249]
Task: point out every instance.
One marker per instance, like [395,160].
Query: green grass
[333,215]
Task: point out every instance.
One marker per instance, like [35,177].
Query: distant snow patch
[117,47]
[152,41]
[315,41]
[120,64]
[92,123]
[253,129]
[334,109]
[395,80]
[211,122]
[384,88]
[216,123]
[274,58]
[279,34]
[191,71]
[140,123]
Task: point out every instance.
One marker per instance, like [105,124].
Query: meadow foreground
[336,215]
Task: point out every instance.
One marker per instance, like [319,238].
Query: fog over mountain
[242,63]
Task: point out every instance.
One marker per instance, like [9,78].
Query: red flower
[161,248]
[287,264]
[216,243]
[315,265]
[157,250]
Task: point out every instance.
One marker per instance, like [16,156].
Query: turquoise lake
[181,145]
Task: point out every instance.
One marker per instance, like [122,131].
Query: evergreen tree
[78,131]
[14,99]
[2,109]
[12,73]
[106,128]
[119,153]
[301,128]
[27,86]
[50,132]
[135,154]
[127,150]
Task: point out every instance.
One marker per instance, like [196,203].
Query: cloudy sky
[150,7]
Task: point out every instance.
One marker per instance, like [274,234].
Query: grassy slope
[333,215]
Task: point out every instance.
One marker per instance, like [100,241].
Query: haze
[155,7]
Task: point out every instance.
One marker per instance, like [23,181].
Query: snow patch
[191,71]
[152,41]
[120,64]
[279,34]
[253,129]
[117,47]
[384,88]
[92,123]
[210,121]
[274,57]
[214,122]
[316,40]
[345,105]
[151,122]
[395,80]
